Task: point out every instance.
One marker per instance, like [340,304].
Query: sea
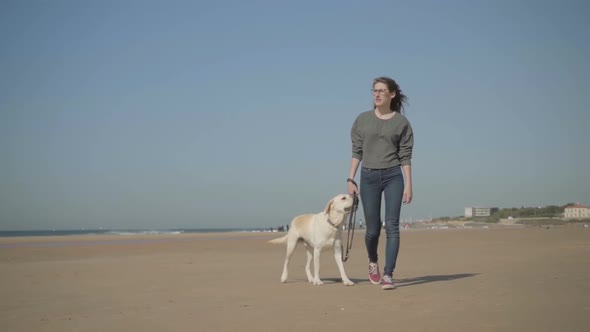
[121,236]
[127,231]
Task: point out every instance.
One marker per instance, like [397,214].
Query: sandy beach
[514,279]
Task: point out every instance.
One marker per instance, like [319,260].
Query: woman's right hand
[352,189]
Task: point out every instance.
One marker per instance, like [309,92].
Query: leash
[350,227]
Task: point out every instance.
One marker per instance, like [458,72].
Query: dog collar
[331,223]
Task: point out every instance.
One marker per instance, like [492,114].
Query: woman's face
[381,94]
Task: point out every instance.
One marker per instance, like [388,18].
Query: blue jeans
[374,183]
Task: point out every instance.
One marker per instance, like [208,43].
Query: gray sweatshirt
[382,143]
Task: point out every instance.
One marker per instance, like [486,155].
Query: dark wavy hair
[400,100]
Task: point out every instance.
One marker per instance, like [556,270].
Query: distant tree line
[550,211]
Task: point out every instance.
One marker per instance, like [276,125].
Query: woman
[383,140]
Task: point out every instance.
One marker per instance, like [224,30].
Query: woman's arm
[357,155]
[352,187]
[407,169]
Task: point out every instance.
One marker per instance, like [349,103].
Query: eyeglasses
[379,91]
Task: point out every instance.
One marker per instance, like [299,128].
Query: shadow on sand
[434,278]
[411,281]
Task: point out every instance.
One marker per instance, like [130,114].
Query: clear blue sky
[166,114]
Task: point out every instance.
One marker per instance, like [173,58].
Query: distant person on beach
[383,140]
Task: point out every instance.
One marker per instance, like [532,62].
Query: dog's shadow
[412,281]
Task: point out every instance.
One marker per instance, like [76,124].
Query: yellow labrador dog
[318,232]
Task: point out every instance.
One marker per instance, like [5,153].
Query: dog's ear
[328,206]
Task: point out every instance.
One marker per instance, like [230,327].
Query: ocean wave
[145,232]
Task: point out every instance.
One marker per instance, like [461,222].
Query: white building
[577,211]
[479,211]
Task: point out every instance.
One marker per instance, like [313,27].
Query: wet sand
[527,279]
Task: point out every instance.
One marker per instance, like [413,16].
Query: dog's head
[341,204]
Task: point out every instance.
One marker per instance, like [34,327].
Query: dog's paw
[283,279]
[348,282]
[317,282]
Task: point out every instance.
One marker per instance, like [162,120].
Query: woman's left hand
[407,196]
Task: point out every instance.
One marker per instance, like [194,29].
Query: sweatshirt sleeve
[406,145]
[357,140]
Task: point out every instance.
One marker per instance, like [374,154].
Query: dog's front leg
[316,266]
[338,257]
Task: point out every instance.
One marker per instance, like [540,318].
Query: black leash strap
[350,227]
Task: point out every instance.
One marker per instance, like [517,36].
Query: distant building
[479,211]
[577,211]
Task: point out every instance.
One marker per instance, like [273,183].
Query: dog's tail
[280,240]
